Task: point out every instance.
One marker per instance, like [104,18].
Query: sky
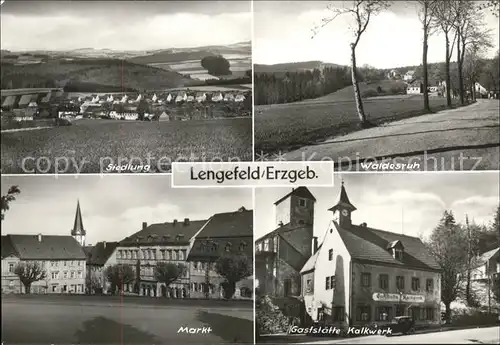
[113,206]
[410,204]
[283,33]
[122,25]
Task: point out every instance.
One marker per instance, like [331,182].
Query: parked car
[402,325]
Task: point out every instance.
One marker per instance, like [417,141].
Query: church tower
[78,232]
[344,208]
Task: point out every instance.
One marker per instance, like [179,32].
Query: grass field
[286,127]
[88,144]
[48,320]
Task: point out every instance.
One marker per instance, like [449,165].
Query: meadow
[82,146]
[286,127]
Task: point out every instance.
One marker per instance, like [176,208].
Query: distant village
[179,105]
[435,87]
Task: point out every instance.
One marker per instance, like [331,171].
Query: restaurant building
[360,275]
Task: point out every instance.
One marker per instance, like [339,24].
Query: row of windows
[73,288]
[72,274]
[65,263]
[152,254]
[268,245]
[212,246]
[383,282]
[150,272]
[364,313]
[202,266]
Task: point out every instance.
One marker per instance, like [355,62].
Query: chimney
[186,221]
[144,225]
[175,222]
[104,244]
[40,237]
[315,245]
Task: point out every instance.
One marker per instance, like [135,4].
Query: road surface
[466,138]
[40,321]
[488,335]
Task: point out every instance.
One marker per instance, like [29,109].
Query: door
[288,287]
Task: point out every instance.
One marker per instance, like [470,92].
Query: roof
[368,244]
[283,229]
[101,252]
[7,247]
[51,247]
[311,262]
[230,230]
[9,101]
[229,224]
[78,228]
[343,200]
[301,192]
[488,255]
[165,233]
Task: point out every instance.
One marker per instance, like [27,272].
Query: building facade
[359,275]
[10,259]
[230,232]
[281,254]
[99,257]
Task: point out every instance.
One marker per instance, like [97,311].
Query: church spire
[78,231]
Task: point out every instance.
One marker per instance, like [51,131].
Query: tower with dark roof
[344,207]
[78,232]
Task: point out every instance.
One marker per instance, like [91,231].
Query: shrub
[63,122]
[369,93]
[270,320]
[379,89]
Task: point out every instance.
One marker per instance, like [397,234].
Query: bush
[63,122]
[270,320]
[369,93]
[379,89]
[477,318]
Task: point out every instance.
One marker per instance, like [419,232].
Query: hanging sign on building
[394,297]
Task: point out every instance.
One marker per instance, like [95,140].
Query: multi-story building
[224,232]
[62,258]
[10,281]
[98,259]
[162,242]
[281,254]
[488,265]
[360,275]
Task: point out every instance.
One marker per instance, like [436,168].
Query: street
[488,335]
[464,138]
[34,320]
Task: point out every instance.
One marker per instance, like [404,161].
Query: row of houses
[71,265]
[352,274]
[179,97]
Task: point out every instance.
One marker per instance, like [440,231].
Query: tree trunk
[424,65]
[460,71]
[27,289]
[448,76]
[355,87]
[447,313]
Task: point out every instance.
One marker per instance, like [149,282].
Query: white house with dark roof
[239,98]
[409,76]
[217,97]
[488,265]
[358,275]
[181,97]
[228,97]
[201,97]
[62,258]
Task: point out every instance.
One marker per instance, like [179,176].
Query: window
[195,265]
[259,246]
[429,285]
[79,263]
[400,283]
[72,274]
[174,254]
[181,255]
[363,313]
[366,279]
[11,283]
[54,275]
[429,314]
[301,222]
[309,285]
[383,281]
[400,310]
[338,313]
[398,254]
[415,313]
[275,243]
[65,274]
[302,202]
[330,283]
[266,244]
[54,288]
[415,284]
[65,264]
[11,268]
[330,254]
[383,314]
[80,274]
[327,284]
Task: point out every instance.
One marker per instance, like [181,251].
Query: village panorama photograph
[118,259]
[415,83]
[124,86]
[415,254]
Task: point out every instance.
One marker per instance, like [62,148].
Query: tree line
[297,86]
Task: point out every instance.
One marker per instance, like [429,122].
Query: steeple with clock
[344,208]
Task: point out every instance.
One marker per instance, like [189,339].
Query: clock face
[345,213]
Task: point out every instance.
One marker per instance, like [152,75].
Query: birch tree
[362,11]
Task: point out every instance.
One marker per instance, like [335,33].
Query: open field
[89,320]
[211,88]
[285,127]
[82,145]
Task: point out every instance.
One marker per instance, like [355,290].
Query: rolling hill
[102,73]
